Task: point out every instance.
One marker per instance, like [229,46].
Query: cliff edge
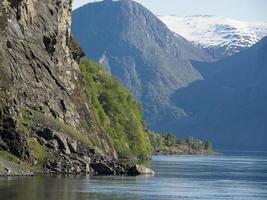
[46,116]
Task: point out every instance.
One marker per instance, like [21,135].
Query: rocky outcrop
[11,139]
[66,155]
[140,170]
[9,168]
[42,93]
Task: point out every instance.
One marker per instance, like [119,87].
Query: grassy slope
[117,111]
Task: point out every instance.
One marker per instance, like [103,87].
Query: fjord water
[235,176]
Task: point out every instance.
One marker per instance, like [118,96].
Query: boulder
[102,169]
[140,170]
[73,145]
[42,141]
[46,134]
[62,142]
[8,171]
[55,140]
[53,144]
[87,159]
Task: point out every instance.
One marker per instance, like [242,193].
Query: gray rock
[8,171]
[87,159]
[73,145]
[11,168]
[140,170]
[53,144]
[57,141]
[62,142]
[46,134]
[102,169]
[42,141]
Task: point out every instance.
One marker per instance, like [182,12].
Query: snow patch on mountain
[219,36]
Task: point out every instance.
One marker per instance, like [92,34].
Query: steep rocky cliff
[44,108]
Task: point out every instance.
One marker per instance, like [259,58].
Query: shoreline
[11,168]
[185,153]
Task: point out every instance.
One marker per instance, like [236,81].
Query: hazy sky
[251,10]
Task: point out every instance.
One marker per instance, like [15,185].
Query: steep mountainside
[229,105]
[137,48]
[117,111]
[46,115]
[219,36]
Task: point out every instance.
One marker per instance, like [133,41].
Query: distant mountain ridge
[229,105]
[180,90]
[137,48]
[219,36]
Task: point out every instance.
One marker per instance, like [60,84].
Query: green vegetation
[117,112]
[9,156]
[38,151]
[25,119]
[28,116]
[169,143]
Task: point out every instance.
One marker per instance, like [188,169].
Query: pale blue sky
[250,10]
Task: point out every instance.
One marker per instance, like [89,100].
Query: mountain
[138,49]
[49,121]
[229,105]
[221,37]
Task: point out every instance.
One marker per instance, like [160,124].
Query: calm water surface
[242,177]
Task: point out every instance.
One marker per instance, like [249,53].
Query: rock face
[69,156]
[42,92]
[8,168]
[136,47]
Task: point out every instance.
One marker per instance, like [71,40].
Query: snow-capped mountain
[221,37]
[139,50]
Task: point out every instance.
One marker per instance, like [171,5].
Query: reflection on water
[177,177]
